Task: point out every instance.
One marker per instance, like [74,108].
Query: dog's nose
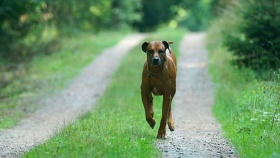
[155,60]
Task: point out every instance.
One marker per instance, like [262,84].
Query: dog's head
[156,51]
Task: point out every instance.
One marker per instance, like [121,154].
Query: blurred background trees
[38,23]
[250,30]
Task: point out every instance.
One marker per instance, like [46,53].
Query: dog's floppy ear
[166,44]
[144,46]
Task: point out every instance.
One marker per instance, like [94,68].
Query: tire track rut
[197,134]
[56,112]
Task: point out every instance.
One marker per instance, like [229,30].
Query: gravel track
[197,134]
[55,113]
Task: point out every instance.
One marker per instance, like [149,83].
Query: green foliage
[155,13]
[247,108]
[198,14]
[23,24]
[255,40]
[126,13]
[194,15]
[92,16]
[218,7]
[17,18]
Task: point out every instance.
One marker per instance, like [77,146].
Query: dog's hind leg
[166,105]
[170,121]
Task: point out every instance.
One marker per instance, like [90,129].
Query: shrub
[256,42]
[17,18]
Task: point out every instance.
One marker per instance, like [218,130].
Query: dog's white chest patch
[155,90]
[167,51]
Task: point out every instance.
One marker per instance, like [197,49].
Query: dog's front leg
[166,105]
[147,100]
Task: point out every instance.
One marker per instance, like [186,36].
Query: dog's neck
[156,71]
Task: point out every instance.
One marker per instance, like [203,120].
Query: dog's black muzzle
[156,61]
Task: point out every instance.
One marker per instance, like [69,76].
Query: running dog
[159,78]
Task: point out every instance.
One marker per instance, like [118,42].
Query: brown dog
[159,78]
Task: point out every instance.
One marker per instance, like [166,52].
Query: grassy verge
[247,107]
[117,126]
[48,72]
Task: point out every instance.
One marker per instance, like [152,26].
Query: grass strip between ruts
[117,126]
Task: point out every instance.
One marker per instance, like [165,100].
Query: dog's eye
[150,51]
[160,51]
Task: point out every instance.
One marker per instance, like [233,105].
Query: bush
[255,40]
[17,18]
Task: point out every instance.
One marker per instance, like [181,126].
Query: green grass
[117,126]
[247,107]
[46,74]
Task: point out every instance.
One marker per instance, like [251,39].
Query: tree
[17,18]
[198,14]
[155,12]
[257,42]
[125,13]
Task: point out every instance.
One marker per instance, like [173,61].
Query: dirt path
[56,112]
[197,134]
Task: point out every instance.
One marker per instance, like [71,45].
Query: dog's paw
[171,126]
[152,123]
[161,136]
[161,133]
